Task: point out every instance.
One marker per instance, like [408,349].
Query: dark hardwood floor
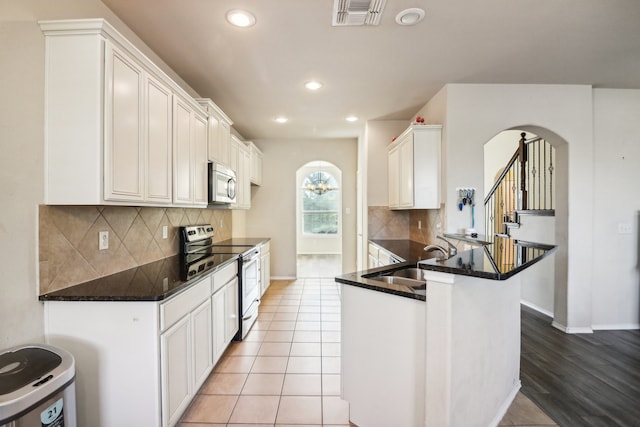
[581,379]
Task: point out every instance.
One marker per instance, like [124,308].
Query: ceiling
[379,72]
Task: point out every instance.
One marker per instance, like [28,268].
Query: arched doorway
[318,220]
[544,288]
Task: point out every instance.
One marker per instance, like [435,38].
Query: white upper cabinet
[415,168]
[109,136]
[241,164]
[218,133]
[123,131]
[256,164]
[159,139]
[190,155]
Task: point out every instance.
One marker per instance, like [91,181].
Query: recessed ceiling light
[410,16]
[351,119]
[241,18]
[281,119]
[313,85]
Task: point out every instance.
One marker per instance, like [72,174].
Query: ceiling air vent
[357,12]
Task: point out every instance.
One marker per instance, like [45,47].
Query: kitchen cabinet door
[182,190]
[158,141]
[394,178]
[190,171]
[199,164]
[256,164]
[406,174]
[201,321]
[244,177]
[176,358]
[218,304]
[232,317]
[124,145]
[223,143]
[414,168]
[265,267]
[241,160]
[218,132]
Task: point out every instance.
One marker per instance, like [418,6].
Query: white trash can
[37,387]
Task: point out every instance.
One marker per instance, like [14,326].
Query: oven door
[250,291]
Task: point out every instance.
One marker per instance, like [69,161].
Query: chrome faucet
[450,251]
[452,248]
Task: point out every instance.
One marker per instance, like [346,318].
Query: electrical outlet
[624,228]
[165,231]
[103,240]
[419,225]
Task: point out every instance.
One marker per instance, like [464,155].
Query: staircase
[525,189]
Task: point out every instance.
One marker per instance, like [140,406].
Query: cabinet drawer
[223,276]
[181,304]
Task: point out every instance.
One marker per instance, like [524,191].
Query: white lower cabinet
[225,317]
[175,354]
[265,267]
[186,360]
[202,332]
[140,363]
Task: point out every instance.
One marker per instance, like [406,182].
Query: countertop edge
[356,279]
[48,297]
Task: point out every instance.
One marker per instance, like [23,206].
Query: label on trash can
[53,416]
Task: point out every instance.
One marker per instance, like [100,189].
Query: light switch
[165,232]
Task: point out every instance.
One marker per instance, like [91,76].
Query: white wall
[616,189]
[273,205]
[559,113]
[379,134]
[22,148]
[497,152]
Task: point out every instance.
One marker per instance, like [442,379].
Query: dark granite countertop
[243,241]
[497,261]
[155,281]
[358,279]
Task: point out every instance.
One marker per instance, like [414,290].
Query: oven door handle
[253,312]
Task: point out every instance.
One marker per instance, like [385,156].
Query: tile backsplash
[403,224]
[68,239]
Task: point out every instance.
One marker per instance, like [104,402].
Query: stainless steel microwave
[222,184]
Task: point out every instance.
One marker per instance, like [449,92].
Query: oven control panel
[194,233]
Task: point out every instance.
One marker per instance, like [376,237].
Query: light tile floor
[287,370]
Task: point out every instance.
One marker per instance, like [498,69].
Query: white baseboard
[283,277]
[616,327]
[572,330]
[506,404]
[537,308]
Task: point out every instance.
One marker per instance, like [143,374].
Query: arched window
[320,204]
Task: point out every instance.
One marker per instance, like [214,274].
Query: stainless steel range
[200,254]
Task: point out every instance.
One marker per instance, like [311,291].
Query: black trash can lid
[21,367]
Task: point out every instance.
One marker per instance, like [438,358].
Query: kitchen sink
[411,277]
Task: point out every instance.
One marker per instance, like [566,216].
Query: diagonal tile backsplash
[384,223]
[68,238]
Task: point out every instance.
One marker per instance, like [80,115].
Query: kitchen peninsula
[446,355]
